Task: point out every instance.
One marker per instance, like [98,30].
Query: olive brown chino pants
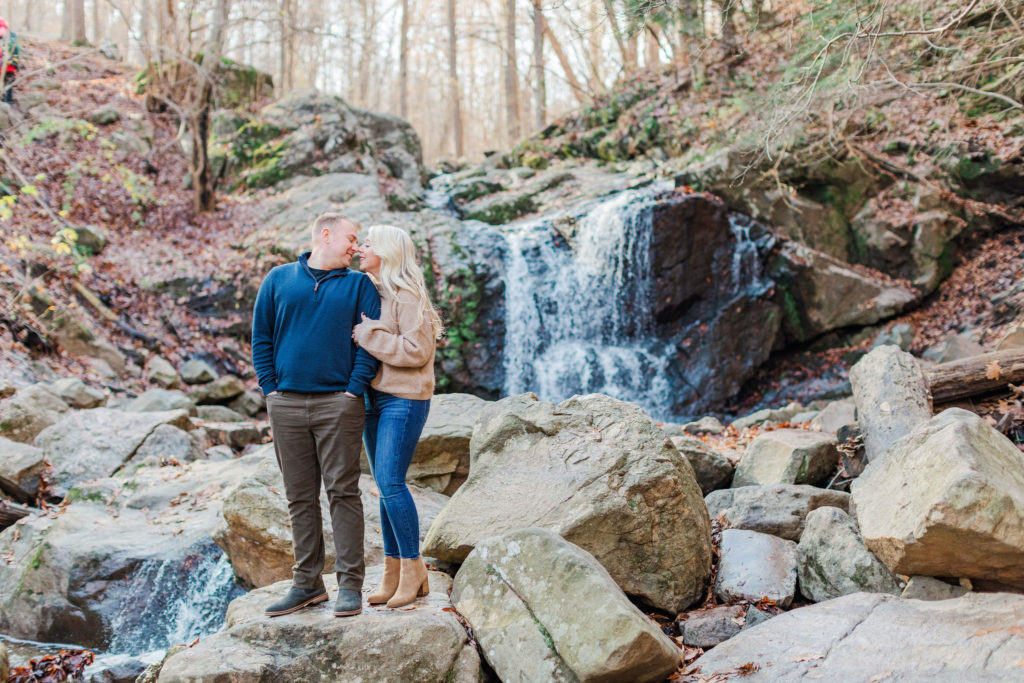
[318,436]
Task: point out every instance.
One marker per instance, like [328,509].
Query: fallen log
[976,375]
[11,512]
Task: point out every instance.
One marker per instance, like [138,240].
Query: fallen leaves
[65,665]
[992,370]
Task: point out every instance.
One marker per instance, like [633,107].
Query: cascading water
[167,603]
[579,317]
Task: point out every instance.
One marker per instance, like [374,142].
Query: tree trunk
[651,47]
[65,22]
[728,27]
[628,62]
[78,23]
[453,82]
[98,24]
[511,73]
[221,12]
[284,24]
[578,91]
[403,63]
[539,83]
[146,30]
[593,49]
[978,375]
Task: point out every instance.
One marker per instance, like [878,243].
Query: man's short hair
[331,221]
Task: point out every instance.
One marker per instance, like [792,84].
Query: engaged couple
[345,357]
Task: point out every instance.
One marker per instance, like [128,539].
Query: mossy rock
[475,189]
[502,209]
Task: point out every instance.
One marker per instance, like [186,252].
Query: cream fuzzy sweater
[403,345]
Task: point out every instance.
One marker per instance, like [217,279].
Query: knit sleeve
[411,347]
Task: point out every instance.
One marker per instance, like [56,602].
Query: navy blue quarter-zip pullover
[302,329]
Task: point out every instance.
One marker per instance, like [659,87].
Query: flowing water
[167,603]
[578,293]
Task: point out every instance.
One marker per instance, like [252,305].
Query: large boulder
[425,644]
[787,456]
[596,471]
[707,628]
[21,470]
[531,598]
[834,561]
[778,510]
[159,400]
[892,397]
[441,459]
[948,500]
[127,565]
[871,636]
[96,443]
[220,390]
[256,528]
[30,411]
[754,566]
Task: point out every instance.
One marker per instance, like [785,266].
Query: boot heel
[424,589]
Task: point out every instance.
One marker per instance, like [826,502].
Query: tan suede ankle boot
[412,584]
[389,582]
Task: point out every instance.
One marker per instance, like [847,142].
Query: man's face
[343,243]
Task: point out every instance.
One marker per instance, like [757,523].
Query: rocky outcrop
[87,573]
[309,133]
[599,473]
[834,561]
[256,528]
[892,397]
[755,566]
[531,596]
[820,293]
[96,443]
[947,500]
[423,644]
[787,456]
[852,639]
[777,510]
[708,628]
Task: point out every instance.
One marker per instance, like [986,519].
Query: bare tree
[578,91]
[539,82]
[78,23]
[65,22]
[511,73]
[403,63]
[453,82]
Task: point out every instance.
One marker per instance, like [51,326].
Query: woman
[398,401]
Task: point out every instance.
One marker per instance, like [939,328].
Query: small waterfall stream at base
[167,603]
[578,307]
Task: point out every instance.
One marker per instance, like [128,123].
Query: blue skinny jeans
[393,426]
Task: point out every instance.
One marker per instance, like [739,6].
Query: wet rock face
[123,564]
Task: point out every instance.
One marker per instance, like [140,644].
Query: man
[10,60]
[314,376]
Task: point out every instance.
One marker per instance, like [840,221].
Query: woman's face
[368,261]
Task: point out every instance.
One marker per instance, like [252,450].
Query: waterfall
[578,293]
[170,601]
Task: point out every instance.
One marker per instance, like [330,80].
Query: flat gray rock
[874,637]
[708,628]
[755,566]
[787,456]
[778,510]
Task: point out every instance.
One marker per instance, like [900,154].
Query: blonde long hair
[399,270]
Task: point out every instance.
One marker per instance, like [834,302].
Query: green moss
[792,312]
[78,495]
[503,211]
[972,168]
[535,161]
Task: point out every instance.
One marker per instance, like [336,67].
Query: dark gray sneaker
[349,603]
[296,599]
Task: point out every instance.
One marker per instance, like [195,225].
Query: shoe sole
[350,613]
[311,601]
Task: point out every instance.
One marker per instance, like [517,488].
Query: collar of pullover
[304,262]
